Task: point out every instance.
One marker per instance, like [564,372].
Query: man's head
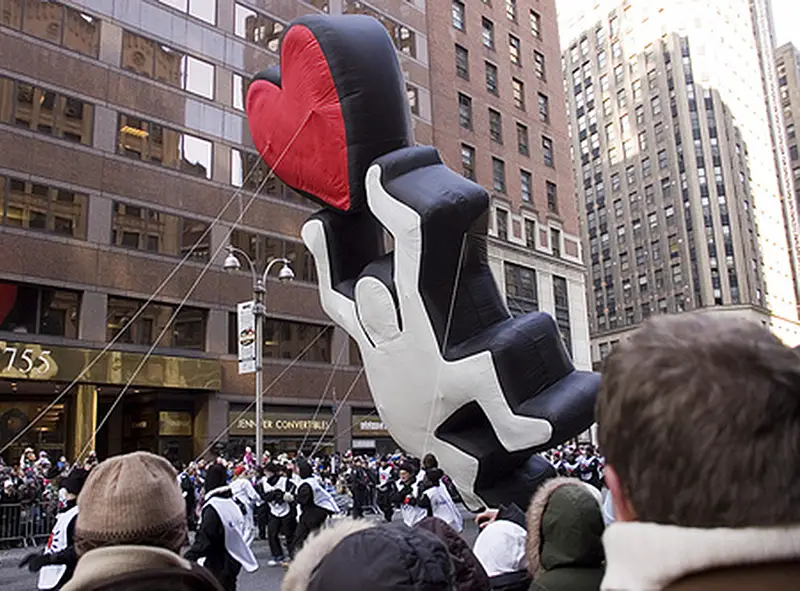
[407,471]
[429,461]
[699,421]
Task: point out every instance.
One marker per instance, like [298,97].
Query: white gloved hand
[288,498]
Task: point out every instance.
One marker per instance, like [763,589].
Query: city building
[126,150]
[499,118]
[658,106]
[787,63]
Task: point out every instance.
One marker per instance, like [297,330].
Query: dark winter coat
[469,574]
[210,543]
[357,554]
[564,542]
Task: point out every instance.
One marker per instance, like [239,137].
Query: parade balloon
[450,370]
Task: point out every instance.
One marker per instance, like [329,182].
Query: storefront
[286,429]
[370,435]
[157,413]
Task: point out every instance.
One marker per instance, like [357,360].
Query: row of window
[501,224]
[405,40]
[36,206]
[522,297]
[45,111]
[459,20]
[53,22]
[465,119]
[499,177]
[34,309]
[492,85]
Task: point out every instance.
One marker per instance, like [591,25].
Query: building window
[547,151]
[413,98]
[462,62]
[464,111]
[33,309]
[655,105]
[561,301]
[521,291]
[55,23]
[530,234]
[458,15]
[514,50]
[526,183]
[555,242]
[152,142]
[552,197]
[240,86]
[468,161]
[286,339]
[45,111]
[487,34]
[523,144]
[536,24]
[544,108]
[156,61]
[262,249]
[495,126]
[491,78]
[538,65]
[645,167]
[405,40]
[511,10]
[249,170]
[205,10]
[501,219]
[35,206]
[518,90]
[498,175]
[146,229]
[188,330]
[257,28]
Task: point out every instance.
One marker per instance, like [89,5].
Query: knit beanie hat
[216,477]
[132,499]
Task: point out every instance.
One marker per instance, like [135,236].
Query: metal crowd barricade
[26,524]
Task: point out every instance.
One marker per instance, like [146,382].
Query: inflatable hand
[449,369]
[451,372]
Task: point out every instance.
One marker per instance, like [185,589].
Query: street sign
[246,331]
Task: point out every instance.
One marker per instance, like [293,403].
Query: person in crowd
[386,480]
[189,496]
[130,528]
[57,562]
[279,497]
[406,495]
[314,504]
[246,496]
[699,421]
[500,548]
[220,539]
[435,497]
[564,547]
[359,483]
[358,554]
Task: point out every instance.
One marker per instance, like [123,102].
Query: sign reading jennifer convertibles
[280,423]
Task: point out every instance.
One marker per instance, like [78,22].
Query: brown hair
[699,415]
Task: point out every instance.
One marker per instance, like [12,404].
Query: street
[264,579]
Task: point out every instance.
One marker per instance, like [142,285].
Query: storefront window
[38,310]
[53,22]
[188,330]
[48,434]
[45,111]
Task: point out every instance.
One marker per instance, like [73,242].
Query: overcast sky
[787,21]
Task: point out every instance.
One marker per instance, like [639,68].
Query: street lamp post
[259,312]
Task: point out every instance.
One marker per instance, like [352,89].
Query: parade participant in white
[278,492]
[248,498]
[314,504]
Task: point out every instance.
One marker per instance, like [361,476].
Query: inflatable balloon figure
[451,372]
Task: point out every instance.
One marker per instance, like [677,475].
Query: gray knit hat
[131,500]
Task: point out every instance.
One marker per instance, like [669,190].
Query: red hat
[239,470]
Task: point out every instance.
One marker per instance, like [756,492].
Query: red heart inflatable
[8,297]
[307,100]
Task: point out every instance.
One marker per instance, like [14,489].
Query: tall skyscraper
[498,117]
[787,65]
[671,74]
